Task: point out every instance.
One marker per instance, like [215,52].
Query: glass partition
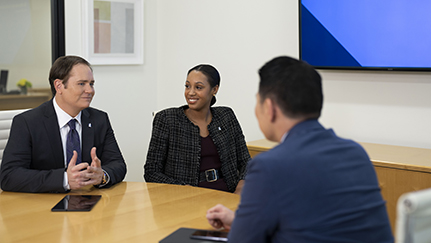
[25,43]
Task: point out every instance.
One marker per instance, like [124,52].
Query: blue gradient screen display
[366,33]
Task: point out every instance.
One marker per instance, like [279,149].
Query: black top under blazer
[33,159]
[174,152]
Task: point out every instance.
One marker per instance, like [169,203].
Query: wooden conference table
[399,169]
[127,212]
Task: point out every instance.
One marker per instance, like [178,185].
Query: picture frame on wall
[113,32]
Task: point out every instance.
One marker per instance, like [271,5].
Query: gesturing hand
[220,216]
[76,173]
[95,172]
[84,174]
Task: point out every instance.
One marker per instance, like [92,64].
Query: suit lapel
[87,135]
[53,132]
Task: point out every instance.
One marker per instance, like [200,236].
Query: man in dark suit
[63,144]
[314,186]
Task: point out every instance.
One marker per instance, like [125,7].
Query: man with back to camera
[314,186]
[63,144]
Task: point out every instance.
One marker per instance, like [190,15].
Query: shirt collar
[62,117]
[284,137]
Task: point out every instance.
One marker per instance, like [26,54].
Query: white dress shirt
[63,118]
[284,137]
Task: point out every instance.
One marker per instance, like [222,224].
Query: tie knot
[71,124]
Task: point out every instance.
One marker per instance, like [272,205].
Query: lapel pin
[219,128]
[89,124]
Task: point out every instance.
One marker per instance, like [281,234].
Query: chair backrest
[5,124]
[413,223]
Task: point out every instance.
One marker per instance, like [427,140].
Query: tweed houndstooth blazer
[174,151]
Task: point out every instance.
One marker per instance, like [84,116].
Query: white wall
[127,93]
[379,107]
[238,37]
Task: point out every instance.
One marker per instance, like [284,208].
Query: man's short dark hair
[62,67]
[293,85]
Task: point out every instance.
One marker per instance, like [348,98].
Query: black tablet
[76,203]
[189,235]
[210,235]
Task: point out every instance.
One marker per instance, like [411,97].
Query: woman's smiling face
[198,91]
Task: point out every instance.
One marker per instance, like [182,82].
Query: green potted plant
[23,85]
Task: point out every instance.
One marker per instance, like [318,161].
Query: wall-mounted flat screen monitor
[366,34]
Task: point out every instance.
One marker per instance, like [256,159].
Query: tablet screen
[76,203]
[210,235]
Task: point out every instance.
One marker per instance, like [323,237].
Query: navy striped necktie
[73,143]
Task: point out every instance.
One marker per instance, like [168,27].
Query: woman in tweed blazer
[197,144]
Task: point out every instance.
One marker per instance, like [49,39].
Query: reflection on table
[127,212]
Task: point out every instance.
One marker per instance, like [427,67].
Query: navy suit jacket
[33,159]
[313,187]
